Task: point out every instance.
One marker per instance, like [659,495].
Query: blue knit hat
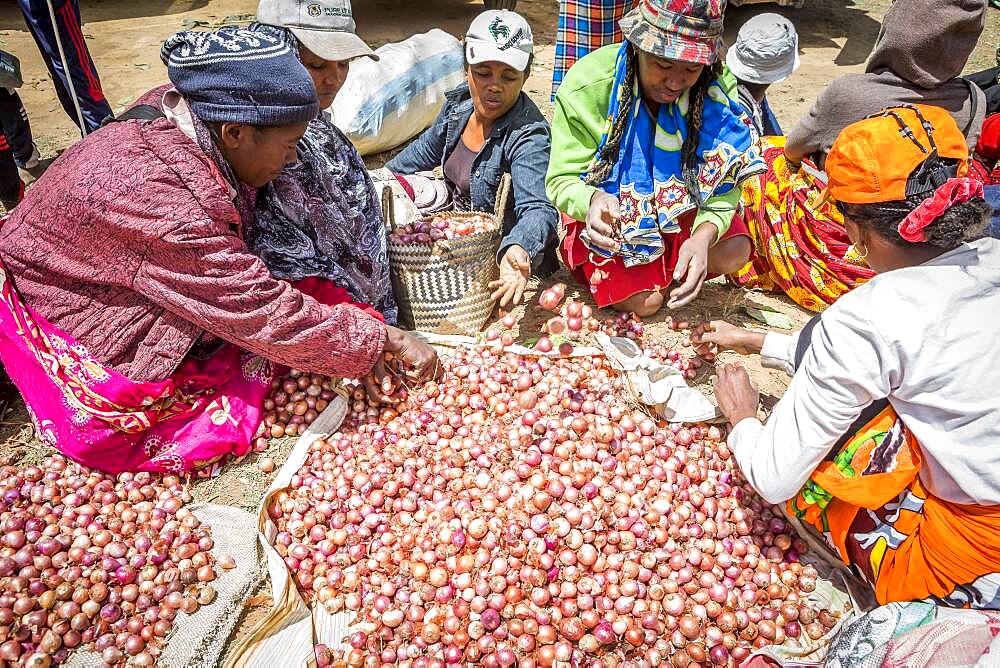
[246,75]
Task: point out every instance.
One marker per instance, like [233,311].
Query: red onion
[521,510]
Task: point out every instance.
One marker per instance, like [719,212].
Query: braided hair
[957,225]
[608,154]
[689,150]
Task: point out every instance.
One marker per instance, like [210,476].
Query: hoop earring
[863,256]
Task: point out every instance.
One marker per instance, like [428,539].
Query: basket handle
[388,210]
[503,194]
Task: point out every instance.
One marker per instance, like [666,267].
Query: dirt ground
[124,36]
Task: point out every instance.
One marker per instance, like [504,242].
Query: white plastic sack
[658,385]
[385,103]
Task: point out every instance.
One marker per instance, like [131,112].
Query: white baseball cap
[766,50]
[325,27]
[499,35]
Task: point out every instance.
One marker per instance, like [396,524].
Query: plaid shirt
[585,26]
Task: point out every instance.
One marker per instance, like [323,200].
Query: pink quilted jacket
[130,244]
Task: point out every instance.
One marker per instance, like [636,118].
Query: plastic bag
[388,102]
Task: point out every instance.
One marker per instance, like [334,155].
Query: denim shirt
[519,145]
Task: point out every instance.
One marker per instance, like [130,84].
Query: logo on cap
[499,29]
[315,9]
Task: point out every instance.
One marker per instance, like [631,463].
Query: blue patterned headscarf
[647,176]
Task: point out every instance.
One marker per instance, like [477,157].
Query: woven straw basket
[443,287]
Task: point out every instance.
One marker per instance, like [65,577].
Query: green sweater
[580,117]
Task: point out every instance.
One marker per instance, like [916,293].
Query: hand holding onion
[418,357]
[710,338]
[602,221]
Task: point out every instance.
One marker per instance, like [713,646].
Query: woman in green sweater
[648,183]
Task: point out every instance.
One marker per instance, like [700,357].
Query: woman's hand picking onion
[417,356]
[515,268]
[692,266]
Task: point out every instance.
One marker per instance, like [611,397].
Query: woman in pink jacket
[141,331]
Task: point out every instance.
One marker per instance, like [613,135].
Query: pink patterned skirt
[206,410]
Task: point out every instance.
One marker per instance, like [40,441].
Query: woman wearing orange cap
[887,438]
[800,244]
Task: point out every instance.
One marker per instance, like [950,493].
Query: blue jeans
[993,199]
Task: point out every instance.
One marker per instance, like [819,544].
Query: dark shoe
[12,199]
[31,174]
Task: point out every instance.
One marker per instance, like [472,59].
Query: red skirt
[619,282]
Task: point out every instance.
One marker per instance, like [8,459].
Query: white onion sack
[386,103]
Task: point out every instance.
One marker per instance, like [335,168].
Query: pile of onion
[438,228]
[671,357]
[626,325]
[295,402]
[89,560]
[522,511]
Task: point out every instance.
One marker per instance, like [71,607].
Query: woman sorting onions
[128,295]
[648,183]
[886,440]
[318,224]
[320,221]
[489,127]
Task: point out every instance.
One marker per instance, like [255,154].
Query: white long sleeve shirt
[926,337]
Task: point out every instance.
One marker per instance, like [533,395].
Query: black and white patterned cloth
[322,217]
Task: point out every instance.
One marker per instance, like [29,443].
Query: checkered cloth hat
[688,30]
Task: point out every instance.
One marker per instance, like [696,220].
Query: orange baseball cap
[879,159]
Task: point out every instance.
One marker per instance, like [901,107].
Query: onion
[94,557]
[519,510]
[549,299]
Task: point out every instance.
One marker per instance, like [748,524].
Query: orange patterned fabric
[800,245]
[869,504]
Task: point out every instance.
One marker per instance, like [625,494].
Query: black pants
[16,146]
[82,71]
[987,80]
